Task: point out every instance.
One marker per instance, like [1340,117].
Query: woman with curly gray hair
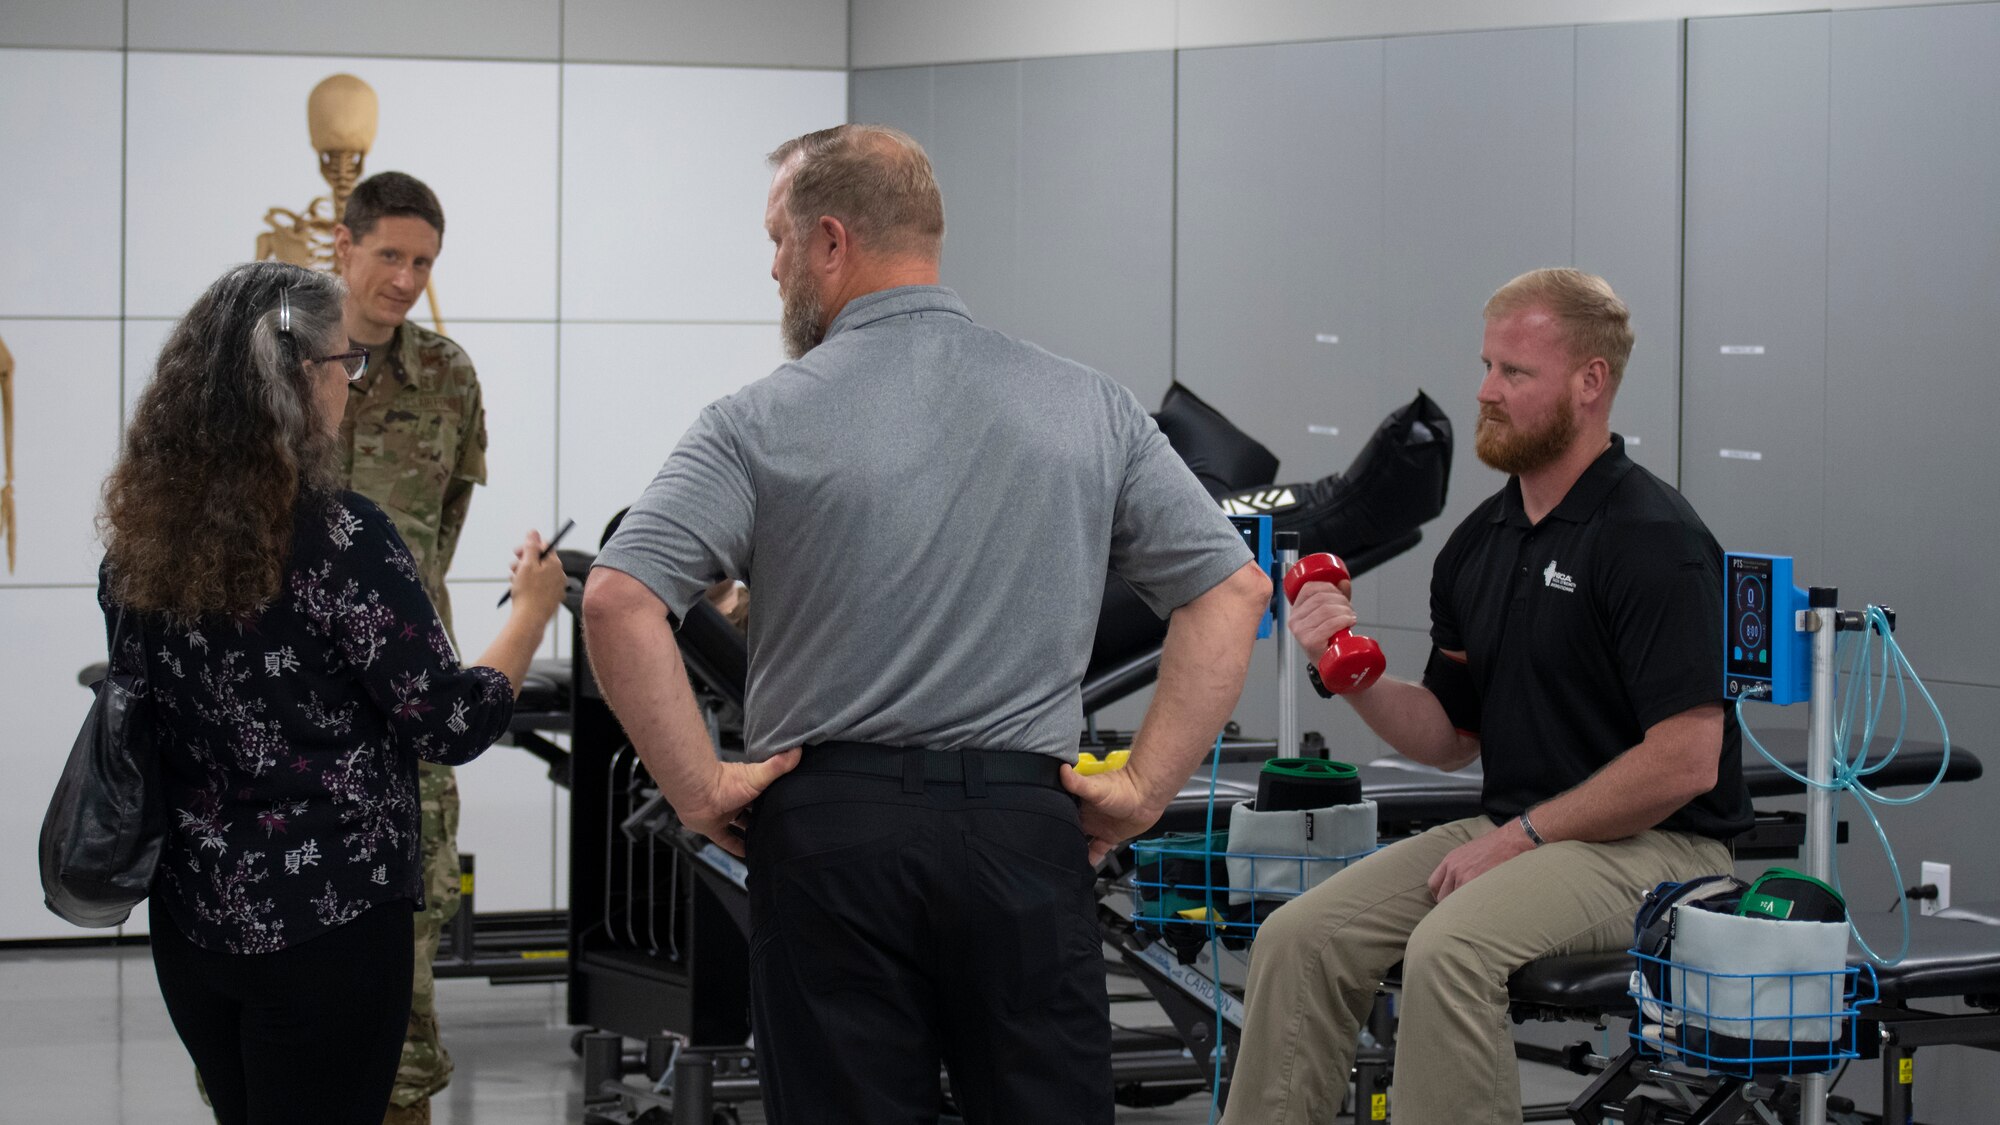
[297,673]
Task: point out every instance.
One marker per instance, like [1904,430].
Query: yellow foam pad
[1088,763]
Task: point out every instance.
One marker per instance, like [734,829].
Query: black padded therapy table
[1956,954]
[1410,799]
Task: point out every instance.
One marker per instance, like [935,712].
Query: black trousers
[309,1035]
[913,908]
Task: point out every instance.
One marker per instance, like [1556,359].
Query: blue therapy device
[1256,532]
[1764,655]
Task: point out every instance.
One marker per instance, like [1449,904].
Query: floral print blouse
[289,739]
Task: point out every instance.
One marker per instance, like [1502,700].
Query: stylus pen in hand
[546,548]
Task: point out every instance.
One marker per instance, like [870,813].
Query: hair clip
[285,310]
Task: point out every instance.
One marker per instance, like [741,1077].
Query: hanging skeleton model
[341,114]
[7,524]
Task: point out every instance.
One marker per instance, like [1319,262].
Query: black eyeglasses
[355,361]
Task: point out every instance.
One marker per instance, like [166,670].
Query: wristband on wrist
[1528,826]
[1312,673]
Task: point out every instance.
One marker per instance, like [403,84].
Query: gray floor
[85,1038]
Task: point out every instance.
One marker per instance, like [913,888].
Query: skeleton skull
[341,112]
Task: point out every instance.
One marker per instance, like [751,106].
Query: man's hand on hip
[1114,809]
[720,810]
[1474,858]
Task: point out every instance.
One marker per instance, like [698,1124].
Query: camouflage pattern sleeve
[417,445]
[471,466]
[469,470]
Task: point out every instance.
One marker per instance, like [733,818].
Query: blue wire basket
[1183,881]
[1749,1024]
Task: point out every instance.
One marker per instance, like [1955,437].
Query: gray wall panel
[1628,215]
[1348,739]
[915,32]
[1094,249]
[1058,187]
[480,29]
[1756,278]
[1913,274]
[1280,220]
[976,151]
[1479,188]
[901,98]
[62,23]
[801,33]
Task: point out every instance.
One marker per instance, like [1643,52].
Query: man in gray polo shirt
[927,510]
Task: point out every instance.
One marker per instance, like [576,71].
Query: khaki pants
[1319,960]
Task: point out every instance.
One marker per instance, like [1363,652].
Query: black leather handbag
[101,836]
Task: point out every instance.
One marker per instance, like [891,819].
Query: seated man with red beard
[1577,622]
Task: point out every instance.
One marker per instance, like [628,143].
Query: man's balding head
[876,180]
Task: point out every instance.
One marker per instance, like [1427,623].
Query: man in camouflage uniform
[415,435]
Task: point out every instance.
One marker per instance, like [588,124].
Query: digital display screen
[1255,533]
[1747,639]
[1250,528]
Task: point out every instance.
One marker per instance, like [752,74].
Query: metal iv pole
[1821,620]
[1287,544]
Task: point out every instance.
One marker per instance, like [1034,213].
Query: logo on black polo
[1557,579]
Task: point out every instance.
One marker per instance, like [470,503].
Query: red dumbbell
[1350,662]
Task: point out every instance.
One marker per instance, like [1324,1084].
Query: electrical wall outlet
[1940,875]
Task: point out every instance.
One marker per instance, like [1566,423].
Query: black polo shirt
[1584,630]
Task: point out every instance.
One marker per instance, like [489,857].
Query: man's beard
[804,322]
[1516,451]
